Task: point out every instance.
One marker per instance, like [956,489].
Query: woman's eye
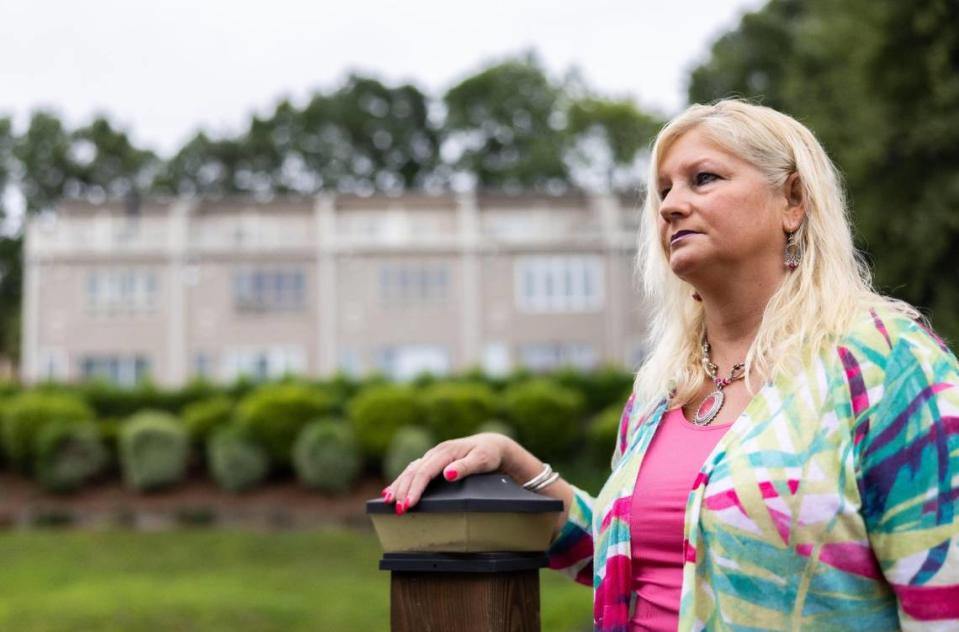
[663,193]
[704,177]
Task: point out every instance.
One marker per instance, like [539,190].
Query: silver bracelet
[549,481]
[539,478]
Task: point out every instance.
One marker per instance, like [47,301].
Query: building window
[123,370]
[52,365]
[412,283]
[548,356]
[559,283]
[405,362]
[122,290]
[349,363]
[266,363]
[496,361]
[269,290]
[203,366]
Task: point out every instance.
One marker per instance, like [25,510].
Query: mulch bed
[283,504]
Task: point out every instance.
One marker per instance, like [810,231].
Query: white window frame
[267,362]
[559,283]
[414,283]
[405,362]
[122,290]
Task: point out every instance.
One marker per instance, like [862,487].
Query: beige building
[184,288]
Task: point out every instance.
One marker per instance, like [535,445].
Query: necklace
[713,403]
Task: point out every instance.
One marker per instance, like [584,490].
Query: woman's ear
[795,211]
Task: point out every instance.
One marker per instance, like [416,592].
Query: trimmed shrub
[26,415]
[601,434]
[67,454]
[274,414]
[602,387]
[378,412]
[153,450]
[235,461]
[326,457]
[546,416]
[111,400]
[497,426]
[456,409]
[409,442]
[342,388]
[202,418]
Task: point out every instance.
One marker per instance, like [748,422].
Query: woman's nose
[673,206]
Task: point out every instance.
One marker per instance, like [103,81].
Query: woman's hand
[476,454]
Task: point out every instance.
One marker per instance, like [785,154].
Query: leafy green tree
[203,166]
[753,59]
[11,274]
[608,135]
[6,157]
[508,129]
[364,137]
[393,142]
[106,162]
[878,81]
[45,170]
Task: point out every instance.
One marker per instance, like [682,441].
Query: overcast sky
[166,68]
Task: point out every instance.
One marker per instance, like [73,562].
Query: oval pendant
[709,408]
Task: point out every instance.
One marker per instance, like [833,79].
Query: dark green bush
[546,416]
[409,442]
[26,415]
[274,414]
[602,387]
[601,434]
[497,426]
[326,456]
[379,411]
[235,461]
[67,454]
[153,450]
[120,402]
[342,388]
[202,418]
[456,409]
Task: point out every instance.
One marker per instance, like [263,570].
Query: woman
[798,433]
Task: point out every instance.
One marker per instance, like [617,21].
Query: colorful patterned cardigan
[829,505]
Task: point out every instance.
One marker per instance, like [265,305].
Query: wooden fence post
[467,557]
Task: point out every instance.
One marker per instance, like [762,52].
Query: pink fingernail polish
[451,475]
[388,497]
[385,491]
[400,508]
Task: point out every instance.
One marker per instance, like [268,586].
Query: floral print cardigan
[830,504]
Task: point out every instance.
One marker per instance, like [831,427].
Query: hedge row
[326,433]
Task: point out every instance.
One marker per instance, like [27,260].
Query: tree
[106,163]
[364,137]
[608,135]
[11,274]
[43,161]
[201,167]
[889,119]
[753,59]
[506,128]
[6,157]
[394,145]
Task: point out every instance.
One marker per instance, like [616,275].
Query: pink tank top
[675,455]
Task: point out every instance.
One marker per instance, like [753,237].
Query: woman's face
[719,219]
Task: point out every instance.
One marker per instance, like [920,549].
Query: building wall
[397,284]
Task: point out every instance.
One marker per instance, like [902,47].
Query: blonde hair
[817,302]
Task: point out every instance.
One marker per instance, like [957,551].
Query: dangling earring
[792,255]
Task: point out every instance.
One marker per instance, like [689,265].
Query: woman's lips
[680,235]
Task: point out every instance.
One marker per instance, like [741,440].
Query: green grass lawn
[211,580]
